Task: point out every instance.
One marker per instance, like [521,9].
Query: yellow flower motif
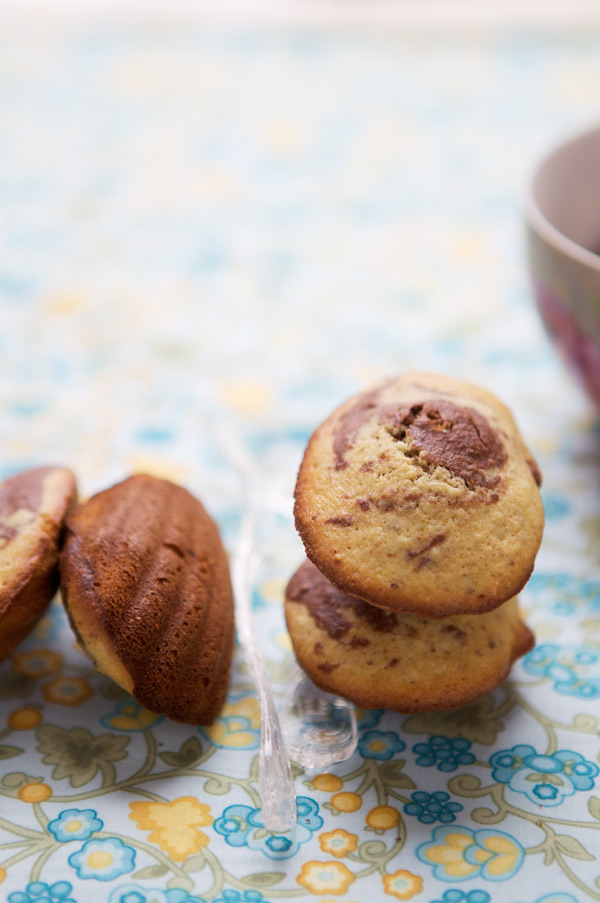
[24,719]
[284,642]
[157,467]
[42,632]
[174,826]
[382,818]
[250,399]
[69,691]
[498,854]
[450,855]
[346,801]
[327,782]
[64,303]
[325,877]
[131,717]
[273,590]
[402,884]
[35,792]
[2,875]
[237,726]
[338,842]
[37,663]
[284,137]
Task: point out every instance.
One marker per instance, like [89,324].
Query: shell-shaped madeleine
[33,506]
[399,660]
[420,496]
[145,581]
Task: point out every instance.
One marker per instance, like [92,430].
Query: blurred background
[254,209]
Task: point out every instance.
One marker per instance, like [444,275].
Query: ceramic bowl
[563,241]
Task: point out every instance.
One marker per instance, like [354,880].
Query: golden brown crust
[145,581]
[33,506]
[420,496]
[401,661]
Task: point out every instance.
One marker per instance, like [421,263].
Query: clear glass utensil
[319,728]
[275,782]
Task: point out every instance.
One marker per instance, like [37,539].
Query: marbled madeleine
[420,496]
[33,506]
[145,581]
[401,661]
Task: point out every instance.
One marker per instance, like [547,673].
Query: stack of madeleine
[419,508]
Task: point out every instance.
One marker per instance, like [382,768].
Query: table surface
[209,225]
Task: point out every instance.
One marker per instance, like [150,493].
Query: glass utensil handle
[274,774]
[275,781]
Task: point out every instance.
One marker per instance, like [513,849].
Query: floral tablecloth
[205,226]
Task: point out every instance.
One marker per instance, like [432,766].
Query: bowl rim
[540,224]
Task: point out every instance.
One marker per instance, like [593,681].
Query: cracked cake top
[419,495]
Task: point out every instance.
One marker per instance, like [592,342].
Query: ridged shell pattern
[144,562]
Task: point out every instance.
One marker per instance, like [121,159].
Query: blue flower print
[555,506]
[368,718]
[563,607]
[130,716]
[307,813]
[75,824]
[454,895]
[233,825]
[47,628]
[134,893]
[564,594]
[242,826]
[557,898]
[507,761]
[49,893]
[103,860]
[545,780]
[375,745]
[432,807]
[238,724]
[177,895]
[544,585]
[234,896]
[444,753]
[459,853]
[573,670]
